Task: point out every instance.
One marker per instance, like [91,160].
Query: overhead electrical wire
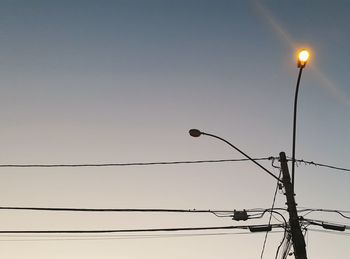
[218,213]
[259,212]
[131,164]
[321,165]
[10,238]
[325,210]
[285,231]
[272,210]
[306,209]
[263,211]
[321,223]
[272,206]
[284,235]
[341,213]
[169,163]
[287,246]
[133,230]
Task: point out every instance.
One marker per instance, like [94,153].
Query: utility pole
[297,235]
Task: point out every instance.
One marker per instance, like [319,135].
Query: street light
[297,235]
[197,133]
[303,57]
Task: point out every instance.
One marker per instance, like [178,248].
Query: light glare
[303,55]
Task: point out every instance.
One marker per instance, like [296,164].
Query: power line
[285,235]
[273,205]
[131,164]
[133,230]
[155,210]
[167,163]
[325,210]
[323,165]
[219,213]
[287,247]
[322,223]
[259,213]
[116,237]
[341,213]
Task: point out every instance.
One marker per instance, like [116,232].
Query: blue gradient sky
[123,81]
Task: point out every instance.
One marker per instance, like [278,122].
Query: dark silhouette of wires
[169,163]
[340,212]
[62,237]
[273,205]
[285,224]
[131,164]
[322,165]
[217,213]
[321,223]
[132,230]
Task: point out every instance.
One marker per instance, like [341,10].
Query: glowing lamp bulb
[303,56]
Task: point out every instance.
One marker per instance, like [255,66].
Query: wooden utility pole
[297,236]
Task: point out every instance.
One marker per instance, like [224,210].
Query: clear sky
[123,81]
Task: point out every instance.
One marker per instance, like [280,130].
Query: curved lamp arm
[197,133]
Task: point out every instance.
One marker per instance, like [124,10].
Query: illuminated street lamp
[303,57]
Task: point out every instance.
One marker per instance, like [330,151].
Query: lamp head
[195,133]
[303,57]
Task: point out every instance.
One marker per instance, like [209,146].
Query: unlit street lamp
[196,133]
